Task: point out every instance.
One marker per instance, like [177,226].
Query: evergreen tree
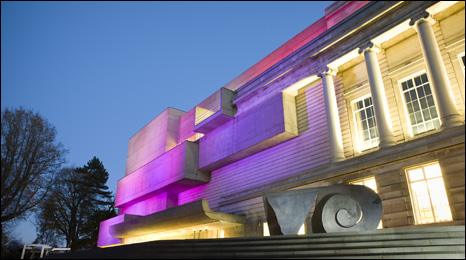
[101,200]
[78,202]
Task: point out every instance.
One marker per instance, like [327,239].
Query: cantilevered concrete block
[192,214]
[268,123]
[105,238]
[214,111]
[154,139]
[175,170]
[336,208]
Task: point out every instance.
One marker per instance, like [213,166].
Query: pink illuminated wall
[306,151]
[168,169]
[335,16]
[146,205]
[163,170]
[187,125]
[298,41]
[154,139]
[225,144]
[105,238]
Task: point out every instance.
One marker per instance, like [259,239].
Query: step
[393,243]
[301,240]
[355,253]
[311,246]
[398,231]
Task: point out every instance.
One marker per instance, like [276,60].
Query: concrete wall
[268,123]
[187,125]
[178,166]
[308,150]
[154,139]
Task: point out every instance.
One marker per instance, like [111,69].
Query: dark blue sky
[99,71]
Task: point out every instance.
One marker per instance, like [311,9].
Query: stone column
[382,113]
[333,120]
[437,72]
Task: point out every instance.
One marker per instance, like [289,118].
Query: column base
[338,158]
[386,142]
[451,121]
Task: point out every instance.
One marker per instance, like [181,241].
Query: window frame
[409,125]
[408,182]
[460,58]
[360,148]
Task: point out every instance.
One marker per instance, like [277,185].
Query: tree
[77,203]
[30,157]
[101,200]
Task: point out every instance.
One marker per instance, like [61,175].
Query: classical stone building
[371,93]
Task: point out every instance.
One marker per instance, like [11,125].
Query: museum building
[371,94]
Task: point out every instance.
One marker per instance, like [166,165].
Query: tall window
[420,104]
[428,195]
[266,232]
[366,126]
[370,183]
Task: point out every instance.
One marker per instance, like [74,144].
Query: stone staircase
[407,242]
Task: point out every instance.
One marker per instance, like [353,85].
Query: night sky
[99,71]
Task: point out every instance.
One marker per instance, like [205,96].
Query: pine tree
[101,200]
[77,204]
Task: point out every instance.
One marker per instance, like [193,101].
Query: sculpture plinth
[337,208]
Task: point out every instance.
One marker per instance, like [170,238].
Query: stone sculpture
[336,208]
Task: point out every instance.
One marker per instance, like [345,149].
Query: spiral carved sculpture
[336,208]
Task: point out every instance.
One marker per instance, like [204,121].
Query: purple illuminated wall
[173,170]
[187,125]
[105,238]
[243,153]
[310,149]
[146,205]
[154,139]
[231,141]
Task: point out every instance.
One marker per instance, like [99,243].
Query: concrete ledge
[224,112]
[191,214]
[177,167]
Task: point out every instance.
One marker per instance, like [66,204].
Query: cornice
[350,33]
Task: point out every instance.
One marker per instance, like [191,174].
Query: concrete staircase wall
[407,242]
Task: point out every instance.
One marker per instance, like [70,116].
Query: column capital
[368,46]
[423,16]
[327,71]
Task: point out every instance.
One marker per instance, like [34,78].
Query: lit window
[266,232]
[428,195]
[420,104]
[266,229]
[366,125]
[370,183]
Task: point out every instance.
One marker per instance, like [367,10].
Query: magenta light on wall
[244,152]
